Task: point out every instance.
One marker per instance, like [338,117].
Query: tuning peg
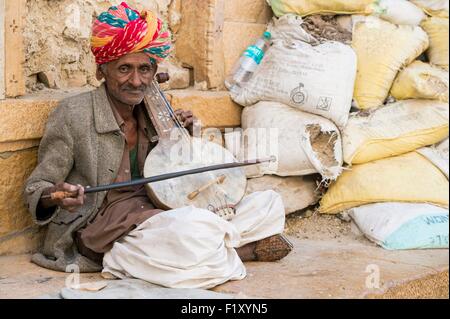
[162,77]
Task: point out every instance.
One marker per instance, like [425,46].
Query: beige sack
[395,11]
[394,129]
[398,12]
[303,143]
[438,154]
[406,178]
[443,148]
[315,79]
[297,192]
[439,159]
[435,8]
[421,81]
[382,49]
[309,7]
[437,30]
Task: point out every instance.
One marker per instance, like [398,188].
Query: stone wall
[19,140]
[2,52]
[56,39]
[49,52]
[48,55]
[22,123]
[212,41]
[212,34]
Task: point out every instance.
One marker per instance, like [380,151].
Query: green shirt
[134,167]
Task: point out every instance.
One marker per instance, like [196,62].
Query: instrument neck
[160,112]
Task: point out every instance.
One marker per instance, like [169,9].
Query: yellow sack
[421,81]
[437,30]
[382,49]
[398,12]
[435,8]
[394,129]
[309,7]
[409,178]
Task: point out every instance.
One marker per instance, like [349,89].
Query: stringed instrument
[182,170]
[218,191]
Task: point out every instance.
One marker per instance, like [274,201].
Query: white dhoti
[192,248]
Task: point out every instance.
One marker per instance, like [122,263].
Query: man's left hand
[187,119]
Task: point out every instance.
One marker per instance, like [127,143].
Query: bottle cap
[267,35]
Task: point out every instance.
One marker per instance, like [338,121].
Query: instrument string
[217,196]
[167,110]
[172,114]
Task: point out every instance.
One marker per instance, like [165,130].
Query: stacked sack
[395,187]
[394,182]
[295,103]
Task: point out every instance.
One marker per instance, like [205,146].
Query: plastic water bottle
[247,64]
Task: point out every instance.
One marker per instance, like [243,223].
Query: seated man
[104,136]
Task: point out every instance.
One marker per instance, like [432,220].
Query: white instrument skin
[218,191]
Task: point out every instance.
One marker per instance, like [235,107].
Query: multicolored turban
[122,30]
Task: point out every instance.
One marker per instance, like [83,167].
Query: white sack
[302,143]
[315,79]
[443,148]
[403,225]
[438,8]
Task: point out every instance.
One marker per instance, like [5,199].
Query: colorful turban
[122,30]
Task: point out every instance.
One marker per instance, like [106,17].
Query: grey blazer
[81,145]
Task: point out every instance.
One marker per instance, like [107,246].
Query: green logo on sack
[255,53]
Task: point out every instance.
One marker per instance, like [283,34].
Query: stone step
[297,192]
[214,109]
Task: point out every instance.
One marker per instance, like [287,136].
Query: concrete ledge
[214,109]
[24,119]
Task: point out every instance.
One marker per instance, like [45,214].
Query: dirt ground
[430,287]
[329,263]
[309,224]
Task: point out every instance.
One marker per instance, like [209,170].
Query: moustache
[141,88]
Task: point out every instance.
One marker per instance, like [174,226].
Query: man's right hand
[70,204]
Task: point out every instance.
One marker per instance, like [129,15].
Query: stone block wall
[47,57]
[22,125]
[56,39]
[212,41]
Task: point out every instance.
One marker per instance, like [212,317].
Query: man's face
[128,77]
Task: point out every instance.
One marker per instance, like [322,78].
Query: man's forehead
[133,58]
